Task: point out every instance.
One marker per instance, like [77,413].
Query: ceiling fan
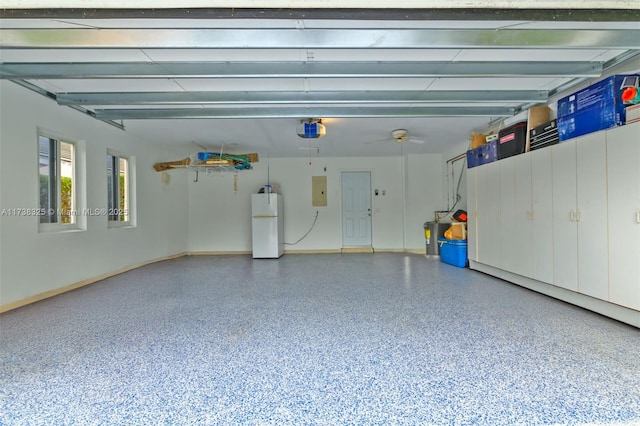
[401,136]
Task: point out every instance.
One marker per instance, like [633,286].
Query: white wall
[213,198]
[204,216]
[450,180]
[33,262]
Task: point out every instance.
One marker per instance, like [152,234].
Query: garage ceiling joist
[297,69]
[300,112]
[377,72]
[326,38]
[324,97]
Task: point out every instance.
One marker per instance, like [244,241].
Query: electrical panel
[319,191]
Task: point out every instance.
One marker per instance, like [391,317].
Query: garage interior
[181,325]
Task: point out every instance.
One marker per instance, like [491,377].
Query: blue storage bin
[485,153]
[453,252]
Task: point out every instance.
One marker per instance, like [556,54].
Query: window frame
[129,198]
[55,175]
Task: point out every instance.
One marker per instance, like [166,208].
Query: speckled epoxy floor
[351,339]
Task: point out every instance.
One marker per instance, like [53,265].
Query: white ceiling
[160,41]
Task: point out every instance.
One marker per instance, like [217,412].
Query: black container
[544,135]
[512,140]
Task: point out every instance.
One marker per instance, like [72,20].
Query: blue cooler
[453,252]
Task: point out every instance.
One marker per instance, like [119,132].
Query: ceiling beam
[51,95]
[619,12]
[33,70]
[302,112]
[269,38]
[325,97]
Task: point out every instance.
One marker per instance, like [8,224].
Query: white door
[623,156]
[356,209]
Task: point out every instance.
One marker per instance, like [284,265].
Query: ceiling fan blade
[380,141]
[414,140]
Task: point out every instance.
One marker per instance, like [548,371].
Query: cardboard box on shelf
[477,139]
[597,107]
[538,115]
[457,231]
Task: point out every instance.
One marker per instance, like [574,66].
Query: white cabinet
[542,214]
[565,225]
[568,216]
[623,185]
[580,215]
[514,227]
[522,239]
[591,218]
[488,218]
[472,214]
[509,247]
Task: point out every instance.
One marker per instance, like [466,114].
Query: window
[118,192]
[57,167]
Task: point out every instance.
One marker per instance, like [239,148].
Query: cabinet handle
[572,215]
[638,216]
[578,216]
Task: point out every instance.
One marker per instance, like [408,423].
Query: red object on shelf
[460,216]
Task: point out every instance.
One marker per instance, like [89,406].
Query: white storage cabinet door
[565,225]
[542,205]
[592,215]
[623,182]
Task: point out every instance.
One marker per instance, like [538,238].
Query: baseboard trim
[356,250]
[602,307]
[321,251]
[216,253]
[55,292]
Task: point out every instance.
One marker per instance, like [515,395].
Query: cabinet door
[542,214]
[482,212]
[509,247]
[591,156]
[565,229]
[523,232]
[623,182]
[488,203]
[472,214]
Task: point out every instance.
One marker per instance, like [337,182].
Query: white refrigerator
[267,225]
